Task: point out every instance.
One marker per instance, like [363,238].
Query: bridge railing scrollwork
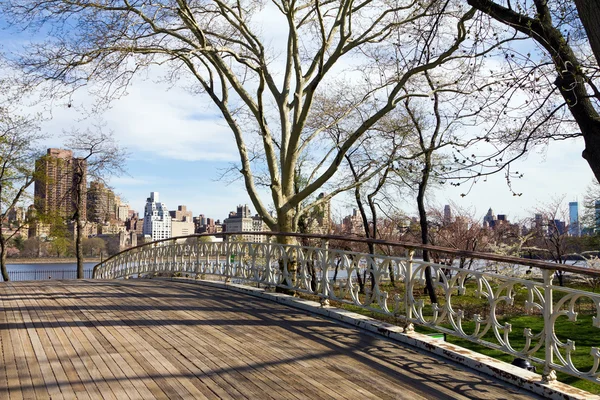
[508,304]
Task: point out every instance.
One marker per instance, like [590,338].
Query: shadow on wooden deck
[160,339]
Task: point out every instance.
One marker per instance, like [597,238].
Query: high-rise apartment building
[157,221]
[58,173]
[101,203]
[123,212]
[574,229]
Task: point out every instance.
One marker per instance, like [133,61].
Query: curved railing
[504,303]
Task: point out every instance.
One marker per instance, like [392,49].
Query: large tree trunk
[589,14]
[285,224]
[79,193]
[425,230]
[3,260]
[79,248]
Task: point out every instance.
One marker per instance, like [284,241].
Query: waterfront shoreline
[46,260]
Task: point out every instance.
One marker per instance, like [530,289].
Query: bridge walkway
[145,339]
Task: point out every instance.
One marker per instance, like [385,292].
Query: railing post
[198,249]
[408,288]
[549,375]
[227,261]
[325,272]
[270,275]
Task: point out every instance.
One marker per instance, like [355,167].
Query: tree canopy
[266,66]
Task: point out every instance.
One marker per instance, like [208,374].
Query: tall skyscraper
[574,229]
[123,212]
[54,191]
[489,220]
[157,221]
[447,214]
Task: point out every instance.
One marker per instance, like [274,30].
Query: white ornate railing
[504,303]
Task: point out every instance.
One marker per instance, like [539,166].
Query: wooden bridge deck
[144,339]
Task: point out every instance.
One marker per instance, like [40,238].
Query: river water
[26,272]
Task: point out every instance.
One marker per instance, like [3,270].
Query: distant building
[182,222]
[181,214]
[182,228]
[58,172]
[16,214]
[157,221]
[207,225]
[318,219]
[353,223]
[538,222]
[501,220]
[557,226]
[109,228]
[242,221]
[574,227]
[447,215]
[101,203]
[490,219]
[123,212]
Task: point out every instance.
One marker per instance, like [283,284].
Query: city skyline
[216,199]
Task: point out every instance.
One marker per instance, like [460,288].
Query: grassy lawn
[581,331]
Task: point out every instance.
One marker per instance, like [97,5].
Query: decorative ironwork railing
[504,303]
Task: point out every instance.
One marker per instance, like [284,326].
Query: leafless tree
[18,137]
[465,231]
[588,219]
[550,228]
[559,84]
[265,84]
[101,157]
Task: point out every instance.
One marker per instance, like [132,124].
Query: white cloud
[171,124]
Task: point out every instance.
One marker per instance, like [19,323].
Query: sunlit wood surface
[144,339]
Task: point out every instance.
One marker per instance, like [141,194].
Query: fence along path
[143,339]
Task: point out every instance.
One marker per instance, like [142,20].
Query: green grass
[581,331]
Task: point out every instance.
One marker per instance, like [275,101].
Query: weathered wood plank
[168,340]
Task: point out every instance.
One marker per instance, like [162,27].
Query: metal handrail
[544,265]
[364,279]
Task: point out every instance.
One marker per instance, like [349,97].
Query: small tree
[17,155]
[101,157]
[33,247]
[551,232]
[588,221]
[93,246]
